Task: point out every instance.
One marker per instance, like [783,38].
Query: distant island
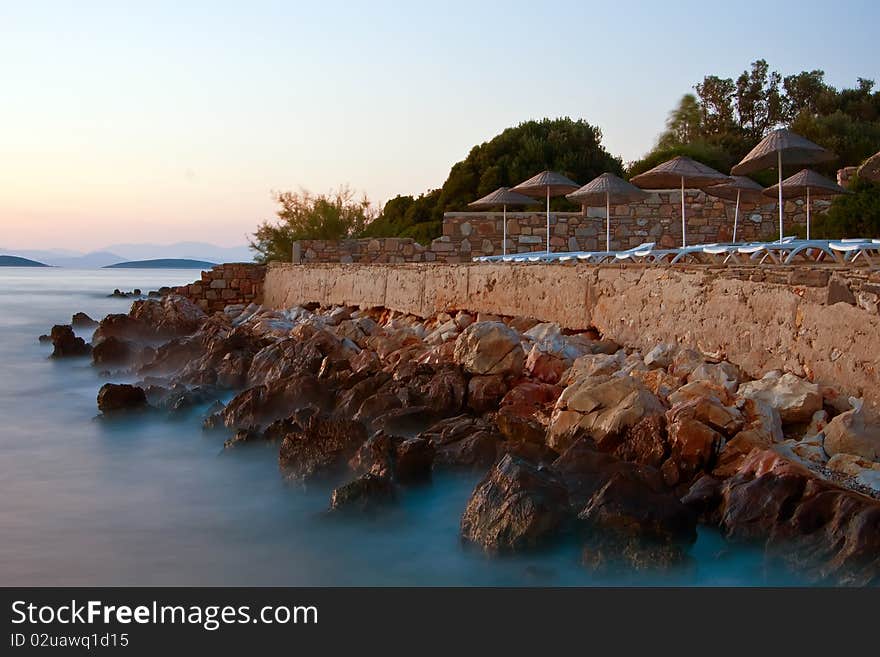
[162,263]
[15,261]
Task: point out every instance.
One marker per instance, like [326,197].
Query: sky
[169,121]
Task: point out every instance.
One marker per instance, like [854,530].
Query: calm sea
[158,502]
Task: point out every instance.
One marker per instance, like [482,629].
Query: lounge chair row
[788,251]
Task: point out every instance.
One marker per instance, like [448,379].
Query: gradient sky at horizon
[171,121]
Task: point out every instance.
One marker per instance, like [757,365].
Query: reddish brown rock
[66,344]
[118,397]
[486,348]
[515,507]
[321,444]
[485,392]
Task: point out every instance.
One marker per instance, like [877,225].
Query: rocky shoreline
[576,436]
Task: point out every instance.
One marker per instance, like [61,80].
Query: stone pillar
[297,253]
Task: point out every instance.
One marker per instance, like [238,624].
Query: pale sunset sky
[170,121]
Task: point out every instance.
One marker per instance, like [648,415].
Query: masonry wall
[656,219]
[226,284]
[761,320]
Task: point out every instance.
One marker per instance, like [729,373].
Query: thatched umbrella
[778,148]
[680,170]
[607,188]
[549,183]
[503,197]
[806,183]
[738,188]
[870,169]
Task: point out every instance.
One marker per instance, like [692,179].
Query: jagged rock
[364,494]
[116,397]
[723,374]
[709,411]
[704,499]
[463,441]
[795,399]
[486,348]
[375,455]
[243,436]
[863,471]
[829,533]
[661,356]
[261,405]
[591,365]
[485,392]
[66,344]
[171,316]
[413,459]
[684,362]
[694,447]
[516,506]
[633,506]
[601,408]
[112,351]
[322,443]
[81,320]
[853,433]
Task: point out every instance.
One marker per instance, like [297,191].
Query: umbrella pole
[548,219]
[504,232]
[736,216]
[808,213]
[607,222]
[683,220]
[779,168]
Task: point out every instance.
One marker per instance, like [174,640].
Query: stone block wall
[226,284]
[361,251]
[656,219]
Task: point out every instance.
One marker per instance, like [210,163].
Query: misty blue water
[155,501]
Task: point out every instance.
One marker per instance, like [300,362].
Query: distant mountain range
[117,253]
[163,263]
[15,261]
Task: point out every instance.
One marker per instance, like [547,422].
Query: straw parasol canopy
[608,188]
[680,170]
[809,184]
[777,149]
[739,188]
[549,183]
[503,197]
[870,170]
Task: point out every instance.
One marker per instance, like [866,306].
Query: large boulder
[117,397]
[365,494]
[485,392]
[601,408]
[795,399]
[486,348]
[853,433]
[65,343]
[320,444]
[82,320]
[463,441]
[112,351]
[516,506]
[171,316]
[261,405]
[830,533]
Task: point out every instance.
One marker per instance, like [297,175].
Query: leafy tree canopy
[728,116]
[303,215]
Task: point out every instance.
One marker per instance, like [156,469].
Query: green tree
[759,102]
[852,215]
[303,215]
[572,147]
[684,124]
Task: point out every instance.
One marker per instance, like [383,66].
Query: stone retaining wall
[760,319]
[656,219]
[229,283]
